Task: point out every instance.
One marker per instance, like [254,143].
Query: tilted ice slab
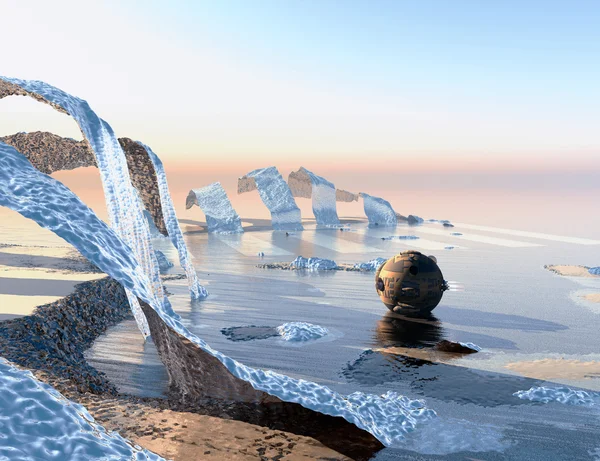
[197,291]
[561,395]
[37,422]
[304,183]
[39,197]
[378,211]
[276,195]
[301,331]
[214,203]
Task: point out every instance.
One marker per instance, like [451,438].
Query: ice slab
[221,218]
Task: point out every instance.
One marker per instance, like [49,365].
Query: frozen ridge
[304,183]
[214,203]
[389,417]
[197,291]
[276,195]
[314,264]
[379,211]
[371,265]
[37,422]
[301,331]
[561,395]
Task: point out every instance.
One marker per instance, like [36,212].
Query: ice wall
[38,423]
[53,206]
[214,203]
[276,195]
[379,211]
[197,291]
[304,183]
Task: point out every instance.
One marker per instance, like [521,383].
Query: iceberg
[412,219]
[401,237]
[371,265]
[276,195]
[214,203]
[304,183]
[563,395]
[301,331]
[313,264]
[378,211]
[197,291]
[594,270]
[37,422]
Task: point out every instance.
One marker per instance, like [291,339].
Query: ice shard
[189,359]
[276,195]
[304,183]
[379,211]
[221,218]
[197,291]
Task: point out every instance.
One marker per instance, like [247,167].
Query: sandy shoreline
[556,369]
[571,271]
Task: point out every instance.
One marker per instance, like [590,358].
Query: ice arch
[276,195]
[213,201]
[304,183]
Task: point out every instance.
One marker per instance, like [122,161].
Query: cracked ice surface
[37,422]
[214,203]
[197,291]
[379,211]
[304,183]
[276,195]
[389,417]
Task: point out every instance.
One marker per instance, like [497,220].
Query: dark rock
[451,346]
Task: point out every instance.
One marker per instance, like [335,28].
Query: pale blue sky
[489,82]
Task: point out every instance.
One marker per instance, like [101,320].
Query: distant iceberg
[276,195]
[594,270]
[304,183]
[371,265]
[316,264]
[412,219]
[401,237]
[378,211]
[163,263]
[221,218]
[561,395]
[301,331]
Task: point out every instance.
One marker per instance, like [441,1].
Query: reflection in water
[395,330]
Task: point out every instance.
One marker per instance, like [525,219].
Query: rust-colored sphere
[410,283]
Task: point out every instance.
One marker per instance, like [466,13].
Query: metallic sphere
[410,283]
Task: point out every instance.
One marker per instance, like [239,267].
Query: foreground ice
[316,264]
[197,291]
[304,183]
[371,265]
[301,331]
[276,195]
[378,211]
[561,395]
[389,417]
[38,423]
[221,218]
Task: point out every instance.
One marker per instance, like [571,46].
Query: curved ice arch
[214,203]
[197,291]
[304,183]
[40,423]
[52,205]
[276,195]
[378,211]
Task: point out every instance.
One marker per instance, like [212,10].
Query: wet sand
[548,369]
[593,297]
[571,271]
